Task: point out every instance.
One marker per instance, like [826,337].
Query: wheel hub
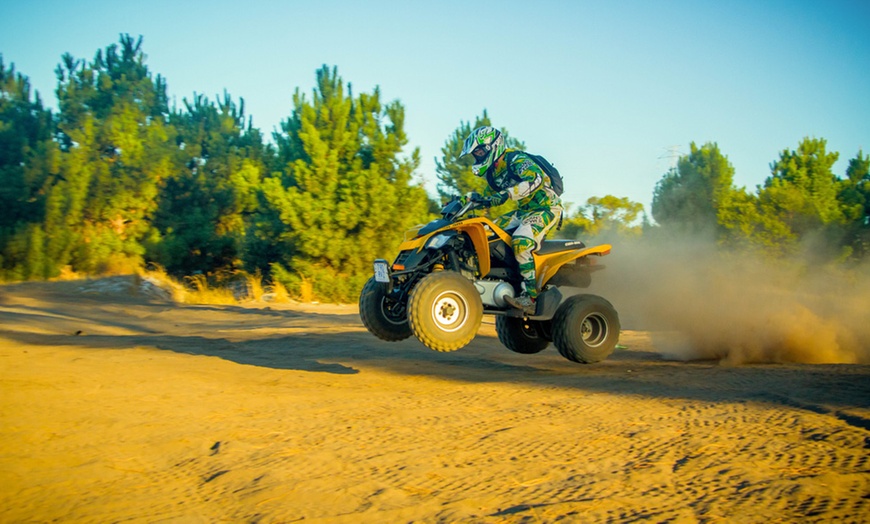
[449,311]
[593,329]
[393,312]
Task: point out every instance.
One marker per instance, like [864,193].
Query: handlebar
[454,208]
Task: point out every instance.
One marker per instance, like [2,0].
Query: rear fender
[548,265]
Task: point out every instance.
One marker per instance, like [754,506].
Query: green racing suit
[538,208]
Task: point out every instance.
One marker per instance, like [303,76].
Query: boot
[523,302]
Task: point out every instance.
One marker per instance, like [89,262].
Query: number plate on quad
[382,271]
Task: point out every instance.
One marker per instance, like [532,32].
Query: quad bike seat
[555,246]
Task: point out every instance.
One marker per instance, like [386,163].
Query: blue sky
[606,90]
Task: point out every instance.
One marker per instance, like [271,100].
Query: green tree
[802,189]
[205,207]
[115,145]
[615,215]
[688,197]
[28,164]
[748,223]
[345,195]
[854,198]
[801,200]
[608,216]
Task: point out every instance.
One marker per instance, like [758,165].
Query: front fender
[476,230]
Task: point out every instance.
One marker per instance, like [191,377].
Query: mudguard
[548,265]
[475,228]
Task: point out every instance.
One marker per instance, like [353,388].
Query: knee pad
[523,247]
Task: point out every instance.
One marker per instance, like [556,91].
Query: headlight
[437,241]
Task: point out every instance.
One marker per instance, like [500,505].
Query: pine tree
[115,154]
[802,188]
[28,165]
[854,198]
[345,195]
[748,223]
[801,199]
[688,197]
[204,208]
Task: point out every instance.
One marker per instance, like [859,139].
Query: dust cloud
[702,302]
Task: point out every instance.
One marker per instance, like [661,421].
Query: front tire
[383,317]
[520,335]
[586,329]
[445,311]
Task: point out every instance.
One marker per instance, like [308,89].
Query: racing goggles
[480,151]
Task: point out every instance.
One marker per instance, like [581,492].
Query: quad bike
[453,270]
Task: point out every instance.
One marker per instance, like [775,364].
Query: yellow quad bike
[453,270]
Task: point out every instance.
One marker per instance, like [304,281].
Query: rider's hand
[471,196]
[499,198]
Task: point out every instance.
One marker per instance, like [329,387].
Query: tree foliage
[346,193]
[689,196]
[608,217]
[802,189]
[28,162]
[854,198]
[205,208]
[114,139]
[116,179]
[798,202]
[802,205]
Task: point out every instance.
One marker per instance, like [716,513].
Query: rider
[538,206]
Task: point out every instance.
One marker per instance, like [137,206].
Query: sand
[117,405]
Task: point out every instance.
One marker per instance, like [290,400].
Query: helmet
[486,144]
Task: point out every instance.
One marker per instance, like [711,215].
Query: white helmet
[486,144]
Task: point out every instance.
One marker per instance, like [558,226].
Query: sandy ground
[118,406]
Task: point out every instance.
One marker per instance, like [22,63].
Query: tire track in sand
[184,423]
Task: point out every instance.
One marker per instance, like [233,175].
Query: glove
[473,196]
[499,198]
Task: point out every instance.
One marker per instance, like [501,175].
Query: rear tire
[445,311]
[521,335]
[382,316]
[586,329]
